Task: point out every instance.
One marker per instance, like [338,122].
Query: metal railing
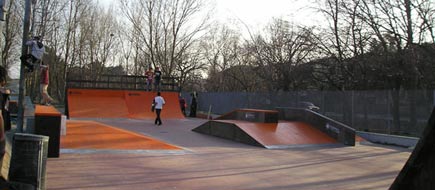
[124,82]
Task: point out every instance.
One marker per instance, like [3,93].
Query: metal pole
[389,121]
[209,113]
[26,26]
[353,108]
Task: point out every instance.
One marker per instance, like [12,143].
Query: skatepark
[274,95]
[111,142]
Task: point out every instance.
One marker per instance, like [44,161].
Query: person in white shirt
[158,103]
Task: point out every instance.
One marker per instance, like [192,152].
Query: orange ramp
[102,103]
[284,133]
[269,135]
[94,135]
[139,104]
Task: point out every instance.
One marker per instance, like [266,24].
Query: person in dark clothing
[182,105]
[157,79]
[193,105]
[3,183]
[3,74]
[5,108]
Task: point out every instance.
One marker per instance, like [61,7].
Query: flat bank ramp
[102,103]
[284,134]
[91,136]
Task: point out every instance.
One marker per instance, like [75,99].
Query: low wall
[389,139]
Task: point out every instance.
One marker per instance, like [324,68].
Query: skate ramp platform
[266,129]
[103,103]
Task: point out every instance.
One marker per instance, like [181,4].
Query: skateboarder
[36,53]
[158,103]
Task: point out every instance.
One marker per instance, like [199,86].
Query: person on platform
[159,101]
[35,55]
[44,81]
[149,76]
[157,79]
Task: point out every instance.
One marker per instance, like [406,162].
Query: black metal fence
[362,110]
[124,82]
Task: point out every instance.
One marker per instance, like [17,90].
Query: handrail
[127,82]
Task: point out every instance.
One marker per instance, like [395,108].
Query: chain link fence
[371,111]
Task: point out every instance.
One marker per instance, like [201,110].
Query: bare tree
[425,11]
[278,53]
[46,23]
[384,30]
[222,50]
[100,30]
[126,48]
[76,34]
[342,40]
[10,31]
[167,29]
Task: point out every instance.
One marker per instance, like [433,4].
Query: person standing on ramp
[149,76]
[157,79]
[158,103]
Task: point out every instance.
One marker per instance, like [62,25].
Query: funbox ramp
[261,128]
[102,103]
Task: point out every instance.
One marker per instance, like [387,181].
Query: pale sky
[259,12]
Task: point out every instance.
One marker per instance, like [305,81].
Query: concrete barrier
[389,139]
